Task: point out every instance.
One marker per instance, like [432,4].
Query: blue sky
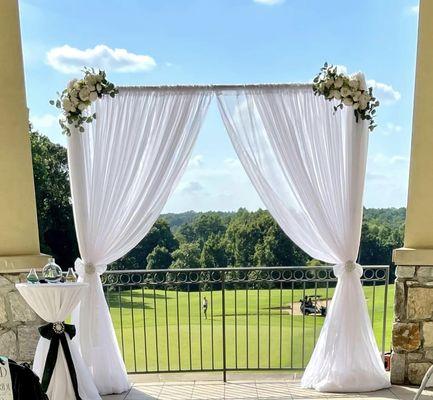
[231,41]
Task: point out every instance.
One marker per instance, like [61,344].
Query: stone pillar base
[19,324]
[412,333]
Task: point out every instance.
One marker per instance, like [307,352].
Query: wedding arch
[307,163]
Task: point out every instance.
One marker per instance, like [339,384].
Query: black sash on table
[56,333]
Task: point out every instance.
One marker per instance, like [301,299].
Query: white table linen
[54,303]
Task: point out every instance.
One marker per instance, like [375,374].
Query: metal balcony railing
[254,320]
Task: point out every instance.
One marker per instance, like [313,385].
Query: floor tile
[278,388]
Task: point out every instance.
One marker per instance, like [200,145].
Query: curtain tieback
[56,333]
[348,266]
[89,268]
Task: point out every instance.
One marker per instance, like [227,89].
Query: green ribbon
[56,333]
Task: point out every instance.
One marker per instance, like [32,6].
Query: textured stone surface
[28,337]
[426,273]
[405,272]
[416,372]
[398,368]
[427,331]
[3,311]
[20,310]
[4,281]
[399,302]
[415,357]
[406,336]
[8,344]
[429,354]
[419,303]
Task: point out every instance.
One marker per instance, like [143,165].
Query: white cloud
[193,187]
[383,159]
[385,93]
[196,161]
[67,59]
[386,180]
[390,128]
[232,163]
[44,121]
[269,2]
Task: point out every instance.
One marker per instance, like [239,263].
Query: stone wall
[412,333]
[18,322]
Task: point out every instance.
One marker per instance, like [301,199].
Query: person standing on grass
[204,306]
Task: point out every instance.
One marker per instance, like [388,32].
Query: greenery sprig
[79,95]
[348,91]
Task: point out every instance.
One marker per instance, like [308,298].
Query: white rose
[336,94]
[89,79]
[353,83]
[355,106]
[338,83]
[67,105]
[74,100]
[71,84]
[93,96]
[76,85]
[82,106]
[98,87]
[356,95]
[84,93]
[347,101]
[362,105]
[345,91]
[365,97]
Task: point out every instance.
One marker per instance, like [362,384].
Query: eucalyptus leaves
[78,96]
[348,90]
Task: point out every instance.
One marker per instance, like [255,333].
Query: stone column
[413,327]
[19,241]
[412,332]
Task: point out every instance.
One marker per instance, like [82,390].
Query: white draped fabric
[122,170]
[308,165]
[54,303]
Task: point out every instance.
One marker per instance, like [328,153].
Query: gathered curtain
[122,171]
[308,164]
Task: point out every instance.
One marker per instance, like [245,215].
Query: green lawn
[166,330]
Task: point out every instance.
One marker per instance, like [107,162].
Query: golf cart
[309,306]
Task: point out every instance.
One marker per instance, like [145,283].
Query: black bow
[56,333]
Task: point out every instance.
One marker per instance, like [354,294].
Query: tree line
[192,239]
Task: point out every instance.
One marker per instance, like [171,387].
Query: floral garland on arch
[347,89]
[79,95]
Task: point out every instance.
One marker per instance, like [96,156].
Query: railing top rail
[278,268]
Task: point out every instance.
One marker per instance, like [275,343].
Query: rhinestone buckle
[58,328]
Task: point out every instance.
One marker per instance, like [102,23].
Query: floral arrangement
[346,89]
[78,96]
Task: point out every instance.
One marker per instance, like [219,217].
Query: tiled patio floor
[266,387]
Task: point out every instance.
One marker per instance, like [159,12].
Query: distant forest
[192,239]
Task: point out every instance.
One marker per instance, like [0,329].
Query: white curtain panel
[308,166]
[122,170]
